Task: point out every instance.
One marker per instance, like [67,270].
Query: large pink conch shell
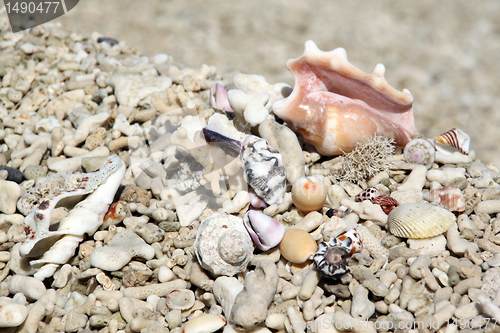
[335,105]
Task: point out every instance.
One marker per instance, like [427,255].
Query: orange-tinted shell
[297,246]
[309,194]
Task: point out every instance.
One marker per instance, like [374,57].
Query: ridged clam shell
[419,220]
[455,138]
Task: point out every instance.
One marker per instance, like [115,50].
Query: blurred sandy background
[446,53]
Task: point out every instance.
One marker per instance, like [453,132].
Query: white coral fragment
[120,250]
[57,247]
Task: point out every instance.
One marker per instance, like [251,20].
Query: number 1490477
[472,323]
[32,7]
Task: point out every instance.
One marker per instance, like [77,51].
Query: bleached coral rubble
[87,123]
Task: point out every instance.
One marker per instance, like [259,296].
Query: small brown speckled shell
[368,194]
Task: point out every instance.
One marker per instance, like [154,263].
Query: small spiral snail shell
[223,245]
[420,151]
[231,247]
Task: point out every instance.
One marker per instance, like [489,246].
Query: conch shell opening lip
[334,104]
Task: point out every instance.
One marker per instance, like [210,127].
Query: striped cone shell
[455,138]
[450,197]
[419,220]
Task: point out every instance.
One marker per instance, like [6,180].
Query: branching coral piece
[367,159]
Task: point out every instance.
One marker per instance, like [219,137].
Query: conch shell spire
[334,105]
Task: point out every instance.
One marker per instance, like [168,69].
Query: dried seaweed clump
[367,159]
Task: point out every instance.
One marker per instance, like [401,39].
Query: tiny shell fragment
[181,299]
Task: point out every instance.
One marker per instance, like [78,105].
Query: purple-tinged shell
[230,146]
[256,201]
[331,257]
[420,151]
[218,98]
[265,231]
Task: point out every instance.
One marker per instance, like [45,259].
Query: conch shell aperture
[335,105]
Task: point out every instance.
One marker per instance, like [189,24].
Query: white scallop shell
[420,151]
[419,220]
